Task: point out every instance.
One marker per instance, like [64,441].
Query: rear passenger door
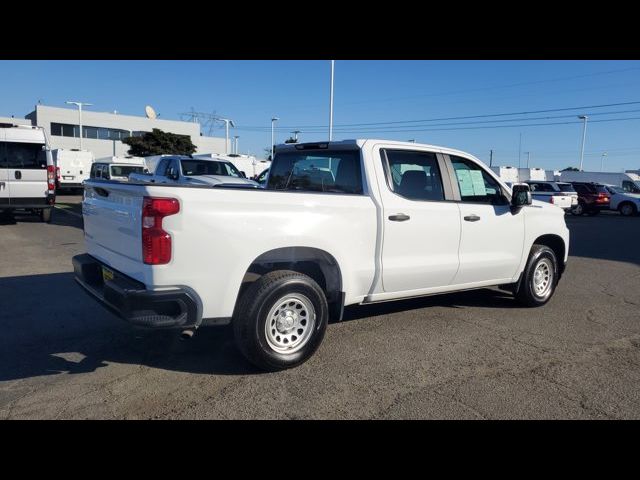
[421,222]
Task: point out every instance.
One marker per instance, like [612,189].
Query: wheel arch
[318,264]
[555,243]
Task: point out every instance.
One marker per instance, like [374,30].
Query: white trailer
[507,174]
[629,182]
[72,167]
[538,174]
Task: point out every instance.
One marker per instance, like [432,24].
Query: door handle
[17,174]
[399,217]
[472,218]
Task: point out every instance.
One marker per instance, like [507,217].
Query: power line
[260,127]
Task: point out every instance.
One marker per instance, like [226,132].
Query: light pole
[331,103]
[295,133]
[273,145]
[235,142]
[584,136]
[227,122]
[79,105]
[604,154]
[528,158]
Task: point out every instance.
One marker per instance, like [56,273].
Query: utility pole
[331,103]
[235,142]
[273,145]
[584,136]
[519,149]
[490,158]
[528,158]
[79,105]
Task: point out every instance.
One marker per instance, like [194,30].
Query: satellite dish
[151,113]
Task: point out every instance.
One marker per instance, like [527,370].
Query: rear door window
[413,174]
[25,156]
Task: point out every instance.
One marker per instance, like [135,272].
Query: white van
[72,167]
[629,182]
[117,168]
[27,171]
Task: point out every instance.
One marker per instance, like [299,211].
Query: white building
[103,131]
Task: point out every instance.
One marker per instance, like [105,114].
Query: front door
[492,236]
[421,224]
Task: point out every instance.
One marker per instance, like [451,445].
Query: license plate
[67,177]
[107,274]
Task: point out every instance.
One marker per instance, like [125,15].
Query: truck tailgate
[112,221]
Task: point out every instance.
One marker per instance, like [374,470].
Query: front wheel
[539,278]
[578,209]
[280,320]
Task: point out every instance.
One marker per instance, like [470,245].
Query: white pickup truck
[339,223]
[550,192]
[186,170]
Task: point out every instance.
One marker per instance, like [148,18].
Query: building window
[99,133]
[56,129]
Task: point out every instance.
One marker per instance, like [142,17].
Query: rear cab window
[329,171]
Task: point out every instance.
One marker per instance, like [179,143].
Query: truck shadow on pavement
[60,217]
[50,326]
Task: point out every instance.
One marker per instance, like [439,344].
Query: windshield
[124,170]
[208,167]
[566,187]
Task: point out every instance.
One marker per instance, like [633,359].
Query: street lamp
[528,158]
[331,102]
[273,145]
[235,141]
[604,154]
[79,105]
[227,122]
[295,134]
[584,135]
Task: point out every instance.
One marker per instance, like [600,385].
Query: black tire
[627,212]
[45,215]
[252,314]
[526,293]
[578,209]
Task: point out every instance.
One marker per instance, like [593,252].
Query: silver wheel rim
[627,210]
[290,323]
[543,278]
[578,209]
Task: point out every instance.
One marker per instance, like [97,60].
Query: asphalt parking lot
[469,355]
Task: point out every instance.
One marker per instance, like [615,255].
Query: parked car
[186,170]
[550,192]
[27,171]
[262,178]
[592,198]
[278,262]
[115,170]
[626,203]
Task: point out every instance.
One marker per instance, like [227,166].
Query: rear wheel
[578,209]
[280,320]
[45,214]
[627,209]
[539,278]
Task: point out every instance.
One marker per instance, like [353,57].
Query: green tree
[291,140]
[570,169]
[158,142]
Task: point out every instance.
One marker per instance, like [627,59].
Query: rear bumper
[129,299]
[27,203]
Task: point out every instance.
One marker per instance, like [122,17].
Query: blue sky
[251,92]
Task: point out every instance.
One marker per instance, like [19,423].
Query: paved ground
[470,355]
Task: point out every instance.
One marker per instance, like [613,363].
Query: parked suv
[592,198]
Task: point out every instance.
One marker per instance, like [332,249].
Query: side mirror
[521,195]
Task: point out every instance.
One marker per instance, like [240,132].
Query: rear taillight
[51,178]
[551,200]
[156,243]
[602,198]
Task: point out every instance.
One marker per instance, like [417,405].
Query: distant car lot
[470,355]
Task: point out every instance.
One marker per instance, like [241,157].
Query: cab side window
[413,174]
[162,167]
[475,184]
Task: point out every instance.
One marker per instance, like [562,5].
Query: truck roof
[360,142]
